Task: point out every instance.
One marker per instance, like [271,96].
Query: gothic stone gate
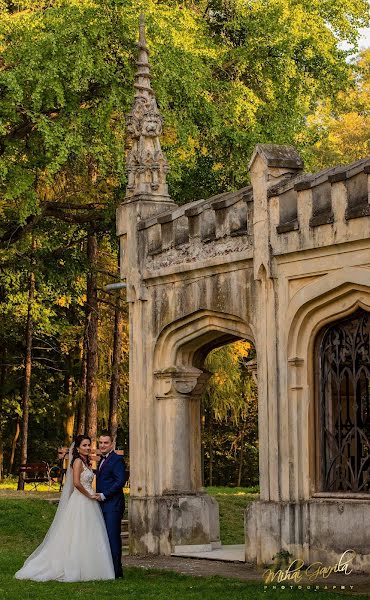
[275,263]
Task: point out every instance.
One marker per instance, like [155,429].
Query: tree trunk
[210,429]
[202,424]
[81,408]
[2,391]
[92,340]
[27,374]
[14,446]
[69,419]
[115,379]
[241,460]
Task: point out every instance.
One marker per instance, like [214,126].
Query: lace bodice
[87,477]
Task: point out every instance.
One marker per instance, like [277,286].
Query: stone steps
[124,533]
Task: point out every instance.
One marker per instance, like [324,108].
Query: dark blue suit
[110,479]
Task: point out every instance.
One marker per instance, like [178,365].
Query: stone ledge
[286,227]
[322,219]
[356,212]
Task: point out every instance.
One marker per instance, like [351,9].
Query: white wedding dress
[76,547]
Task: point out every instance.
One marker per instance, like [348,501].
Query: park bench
[36,473]
[94,457]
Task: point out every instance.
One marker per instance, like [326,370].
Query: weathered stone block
[319,529]
[158,524]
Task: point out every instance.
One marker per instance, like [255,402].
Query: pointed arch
[331,297]
[188,340]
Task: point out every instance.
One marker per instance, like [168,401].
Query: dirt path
[243,571]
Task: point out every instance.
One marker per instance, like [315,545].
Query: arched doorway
[343,385]
[180,379]
[230,450]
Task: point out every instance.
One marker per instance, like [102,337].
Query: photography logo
[313,576]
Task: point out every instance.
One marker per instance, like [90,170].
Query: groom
[110,479]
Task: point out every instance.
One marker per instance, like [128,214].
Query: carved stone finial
[146,165]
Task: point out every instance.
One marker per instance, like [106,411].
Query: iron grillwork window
[344,373]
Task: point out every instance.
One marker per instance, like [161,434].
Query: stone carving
[146,165]
[183,381]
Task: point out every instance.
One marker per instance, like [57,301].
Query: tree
[27,367]
[230,409]
[114,390]
[66,82]
[226,73]
[339,130]
[92,339]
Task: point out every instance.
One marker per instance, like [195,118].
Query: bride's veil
[63,501]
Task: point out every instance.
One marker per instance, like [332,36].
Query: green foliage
[274,61]
[338,131]
[227,74]
[230,423]
[58,315]
[231,389]
[66,82]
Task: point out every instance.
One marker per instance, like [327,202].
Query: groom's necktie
[104,458]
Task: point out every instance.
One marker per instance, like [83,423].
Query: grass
[24,522]
[11,483]
[234,491]
[232,503]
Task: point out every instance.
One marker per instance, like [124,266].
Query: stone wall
[272,263]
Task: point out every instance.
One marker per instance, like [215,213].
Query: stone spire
[146,165]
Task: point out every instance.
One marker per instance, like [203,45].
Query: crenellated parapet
[220,225]
[284,210]
[321,209]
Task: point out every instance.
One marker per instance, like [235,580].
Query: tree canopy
[338,132]
[227,74]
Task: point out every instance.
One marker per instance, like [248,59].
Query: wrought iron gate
[344,382]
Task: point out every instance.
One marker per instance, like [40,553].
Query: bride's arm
[77,470]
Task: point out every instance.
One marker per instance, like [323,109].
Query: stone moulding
[182,381]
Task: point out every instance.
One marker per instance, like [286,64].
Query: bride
[76,547]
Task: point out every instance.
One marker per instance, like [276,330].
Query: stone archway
[187,340]
[181,512]
[179,356]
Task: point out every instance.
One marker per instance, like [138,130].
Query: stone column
[178,391]
[269,165]
[175,512]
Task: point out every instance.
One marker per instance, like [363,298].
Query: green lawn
[23,523]
[11,483]
[232,503]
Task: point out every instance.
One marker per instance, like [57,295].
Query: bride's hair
[75,453]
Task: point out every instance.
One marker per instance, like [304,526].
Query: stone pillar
[178,428]
[180,513]
[269,165]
